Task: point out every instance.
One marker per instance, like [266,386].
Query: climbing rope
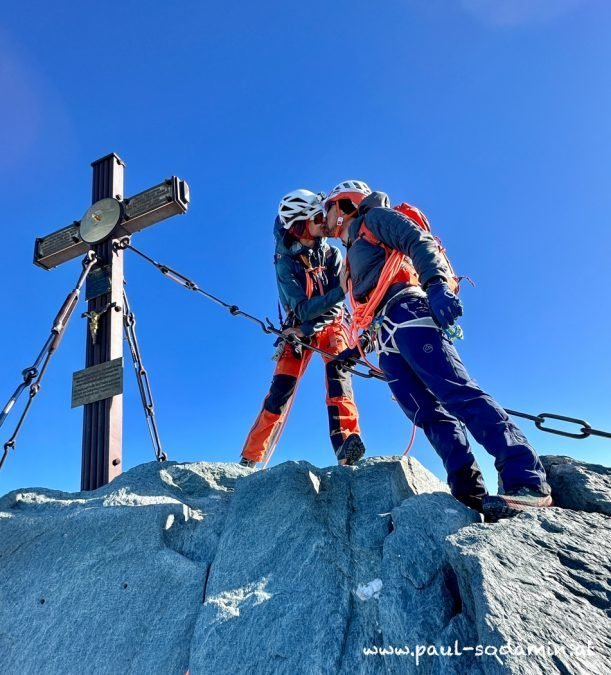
[267,326]
[585,429]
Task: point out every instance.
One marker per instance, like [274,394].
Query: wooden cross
[99,387]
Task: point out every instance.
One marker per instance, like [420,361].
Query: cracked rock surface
[216,568]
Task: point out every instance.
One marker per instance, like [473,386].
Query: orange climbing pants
[342,411]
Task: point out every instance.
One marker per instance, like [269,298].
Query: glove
[347,357]
[444,305]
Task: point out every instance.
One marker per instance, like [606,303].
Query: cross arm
[140,211]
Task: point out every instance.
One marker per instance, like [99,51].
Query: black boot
[475,502]
[251,464]
[351,450]
[467,485]
[510,504]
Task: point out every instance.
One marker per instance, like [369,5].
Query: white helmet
[299,205]
[354,190]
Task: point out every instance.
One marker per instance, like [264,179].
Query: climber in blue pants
[433,388]
[402,280]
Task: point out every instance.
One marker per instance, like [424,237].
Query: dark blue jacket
[397,231]
[311,314]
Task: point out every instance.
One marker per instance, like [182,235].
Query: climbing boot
[513,503]
[351,450]
[251,464]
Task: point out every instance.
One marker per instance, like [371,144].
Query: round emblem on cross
[100,220]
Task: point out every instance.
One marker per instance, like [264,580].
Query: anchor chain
[144,386]
[585,429]
[32,376]
[539,421]
[268,327]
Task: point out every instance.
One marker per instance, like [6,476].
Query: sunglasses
[299,227]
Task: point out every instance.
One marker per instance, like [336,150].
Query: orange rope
[411,440]
[363,313]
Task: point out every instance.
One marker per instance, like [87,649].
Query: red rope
[411,440]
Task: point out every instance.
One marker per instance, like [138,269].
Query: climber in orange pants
[307,270]
[343,415]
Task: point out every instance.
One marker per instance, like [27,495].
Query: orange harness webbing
[313,274]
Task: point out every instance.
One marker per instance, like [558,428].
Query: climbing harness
[387,344]
[267,327]
[144,386]
[32,376]
[312,275]
[585,428]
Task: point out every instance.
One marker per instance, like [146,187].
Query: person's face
[330,224]
[316,226]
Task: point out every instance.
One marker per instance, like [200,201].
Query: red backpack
[407,272]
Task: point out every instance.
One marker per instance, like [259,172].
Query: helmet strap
[340,223]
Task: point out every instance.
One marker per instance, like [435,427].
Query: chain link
[585,430]
[32,376]
[144,386]
[234,310]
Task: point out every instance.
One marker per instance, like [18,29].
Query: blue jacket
[397,231]
[310,314]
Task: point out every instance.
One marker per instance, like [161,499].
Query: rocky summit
[216,568]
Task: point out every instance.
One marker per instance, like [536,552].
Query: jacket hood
[374,200]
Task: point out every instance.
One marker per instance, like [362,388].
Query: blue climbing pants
[432,386]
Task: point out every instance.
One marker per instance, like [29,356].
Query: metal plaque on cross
[99,386]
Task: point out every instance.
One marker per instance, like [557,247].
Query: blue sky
[492,117]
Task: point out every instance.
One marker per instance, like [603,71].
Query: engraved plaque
[59,247]
[167,199]
[97,383]
[64,238]
[148,200]
[98,283]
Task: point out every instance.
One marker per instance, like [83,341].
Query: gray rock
[103,582]
[541,580]
[220,569]
[298,544]
[421,598]
[577,485]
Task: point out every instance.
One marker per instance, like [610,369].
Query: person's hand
[297,332]
[348,356]
[444,305]
[344,275]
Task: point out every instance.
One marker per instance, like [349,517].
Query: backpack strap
[365,233]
